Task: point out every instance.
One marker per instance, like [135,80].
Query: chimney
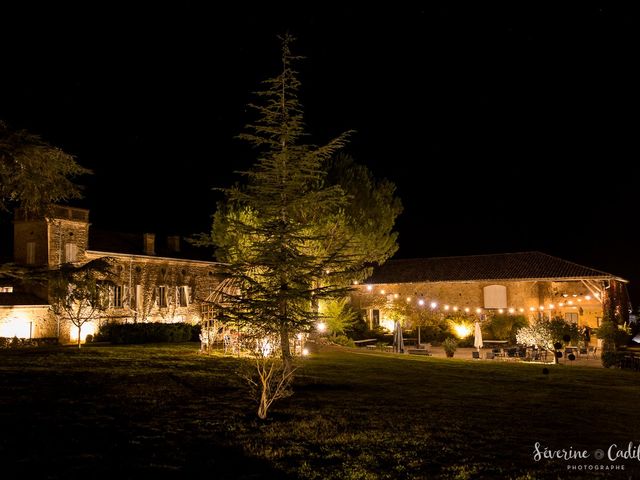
[149,243]
[173,243]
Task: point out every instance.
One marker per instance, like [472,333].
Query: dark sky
[503,129]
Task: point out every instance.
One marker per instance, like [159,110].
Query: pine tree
[273,230]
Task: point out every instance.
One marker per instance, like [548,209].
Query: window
[162,297]
[375,318]
[495,296]
[183,295]
[116,296]
[70,253]
[571,318]
[6,289]
[138,299]
[31,253]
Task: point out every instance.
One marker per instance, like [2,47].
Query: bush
[504,327]
[450,345]
[611,359]
[127,333]
[15,342]
[343,340]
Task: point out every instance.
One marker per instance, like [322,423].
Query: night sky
[504,129]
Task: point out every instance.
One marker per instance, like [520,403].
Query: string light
[455,308]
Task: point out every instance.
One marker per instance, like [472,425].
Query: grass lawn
[168,412]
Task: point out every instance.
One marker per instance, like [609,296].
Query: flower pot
[449,354]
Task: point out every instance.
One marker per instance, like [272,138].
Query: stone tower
[62,237]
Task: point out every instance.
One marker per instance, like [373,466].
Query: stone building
[532,284]
[155,281]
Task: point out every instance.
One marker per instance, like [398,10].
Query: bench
[419,351]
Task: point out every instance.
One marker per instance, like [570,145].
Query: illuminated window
[375,318]
[138,301]
[6,289]
[116,296]
[70,253]
[163,301]
[31,253]
[183,295]
[495,296]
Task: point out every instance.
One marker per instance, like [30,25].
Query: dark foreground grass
[167,412]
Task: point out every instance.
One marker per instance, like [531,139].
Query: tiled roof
[132,243]
[13,299]
[503,266]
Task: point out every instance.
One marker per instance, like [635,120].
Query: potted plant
[450,345]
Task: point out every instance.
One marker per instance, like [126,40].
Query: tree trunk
[284,346]
[79,329]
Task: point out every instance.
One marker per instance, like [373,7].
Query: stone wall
[523,297]
[140,277]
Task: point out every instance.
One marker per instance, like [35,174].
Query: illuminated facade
[531,284]
[155,281]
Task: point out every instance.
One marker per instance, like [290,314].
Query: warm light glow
[455,309]
[434,304]
[369,287]
[18,324]
[355,282]
[305,352]
[265,347]
[421,302]
[461,330]
[561,304]
[466,309]
[446,307]
[588,297]
[478,310]
[500,310]
[521,309]
[396,295]
[541,307]
[88,328]
[551,306]
[570,302]
[579,300]
[321,327]
[565,295]
[299,336]
[575,295]
[531,309]
[409,299]
[382,292]
[511,310]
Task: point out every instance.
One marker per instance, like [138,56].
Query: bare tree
[80,294]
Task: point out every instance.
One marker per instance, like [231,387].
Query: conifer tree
[272,230]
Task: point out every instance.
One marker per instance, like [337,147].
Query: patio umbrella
[477,342]
[398,341]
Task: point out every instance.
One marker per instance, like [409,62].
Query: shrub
[504,327]
[15,342]
[611,359]
[450,345]
[343,340]
[126,333]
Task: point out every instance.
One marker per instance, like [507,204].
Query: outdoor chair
[490,355]
[475,355]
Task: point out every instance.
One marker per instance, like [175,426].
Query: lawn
[168,412]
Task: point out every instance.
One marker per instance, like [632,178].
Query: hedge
[124,333]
